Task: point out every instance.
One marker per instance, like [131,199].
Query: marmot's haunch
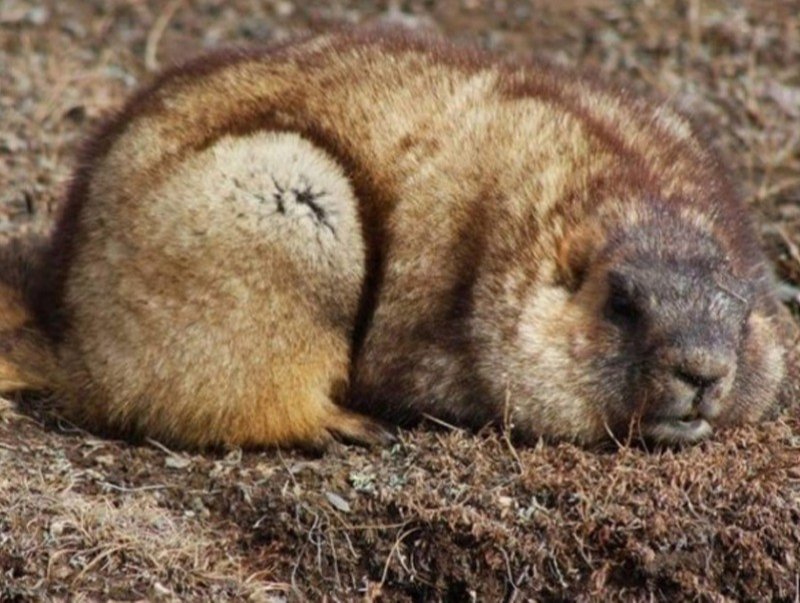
[268,247]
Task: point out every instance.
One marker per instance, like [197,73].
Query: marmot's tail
[27,359]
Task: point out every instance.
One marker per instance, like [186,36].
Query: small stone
[37,16]
[177,462]
[284,9]
[106,460]
[58,527]
[338,502]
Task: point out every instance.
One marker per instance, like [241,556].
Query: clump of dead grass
[58,538]
[446,515]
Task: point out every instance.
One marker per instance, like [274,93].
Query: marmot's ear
[575,253]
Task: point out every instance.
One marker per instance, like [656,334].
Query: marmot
[269,247]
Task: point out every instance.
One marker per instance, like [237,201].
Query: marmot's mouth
[678,431]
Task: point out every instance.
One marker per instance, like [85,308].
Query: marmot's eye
[621,307]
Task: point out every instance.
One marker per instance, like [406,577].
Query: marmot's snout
[695,383]
[700,377]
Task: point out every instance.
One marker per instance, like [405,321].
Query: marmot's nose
[698,379]
[702,367]
[698,371]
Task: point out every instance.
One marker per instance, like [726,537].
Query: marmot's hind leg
[219,307]
[27,360]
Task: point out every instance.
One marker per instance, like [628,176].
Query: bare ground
[443,514]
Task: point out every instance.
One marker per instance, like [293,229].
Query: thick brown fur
[265,243]
[27,358]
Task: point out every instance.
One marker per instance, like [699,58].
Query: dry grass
[443,515]
[71,523]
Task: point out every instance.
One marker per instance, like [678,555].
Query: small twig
[523,576]
[766,192]
[732,293]
[788,293]
[551,558]
[433,419]
[507,428]
[374,526]
[285,466]
[160,446]
[611,435]
[301,555]
[335,559]
[156,33]
[139,489]
[510,576]
[255,577]
[635,427]
[97,559]
[395,546]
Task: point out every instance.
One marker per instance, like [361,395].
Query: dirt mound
[442,515]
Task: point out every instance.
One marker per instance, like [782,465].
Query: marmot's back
[405,228]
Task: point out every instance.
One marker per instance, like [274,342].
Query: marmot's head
[648,331]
